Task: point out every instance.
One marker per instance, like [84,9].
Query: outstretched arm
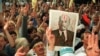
[51,42]
[92,48]
[10,39]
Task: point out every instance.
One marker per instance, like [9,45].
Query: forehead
[64,17]
[86,35]
[38,44]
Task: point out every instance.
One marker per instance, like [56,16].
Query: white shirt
[80,52]
[65,34]
[48,53]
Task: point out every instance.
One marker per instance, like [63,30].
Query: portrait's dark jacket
[59,41]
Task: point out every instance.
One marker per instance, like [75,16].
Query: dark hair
[82,35]
[36,39]
[31,29]
[13,32]
[43,14]
[3,53]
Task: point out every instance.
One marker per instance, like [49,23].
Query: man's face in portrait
[63,22]
[39,48]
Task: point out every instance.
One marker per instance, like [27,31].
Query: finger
[48,31]
[6,25]
[92,39]
[89,40]
[21,54]
[48,34]
[89,47]
[20,49]
[52,39]
[96,39]
[96,42]
[85,36]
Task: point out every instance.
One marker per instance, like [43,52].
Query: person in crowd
[31,32]
[38,46]
[84,39]
[23,43]
[2,42]
[19,19]
[11,36]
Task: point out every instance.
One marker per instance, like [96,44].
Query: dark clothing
[24,26]
[9,50]
[60,41]
[34,22]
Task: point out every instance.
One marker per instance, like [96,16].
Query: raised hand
[92,48]
[6,26]
[20,52]
[50,38]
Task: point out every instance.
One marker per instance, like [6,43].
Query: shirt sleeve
[50,53]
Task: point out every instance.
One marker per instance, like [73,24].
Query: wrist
[51,47]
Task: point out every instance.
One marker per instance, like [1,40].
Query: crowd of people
[24,29]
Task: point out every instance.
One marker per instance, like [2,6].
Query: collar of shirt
[80,50]
[65,34]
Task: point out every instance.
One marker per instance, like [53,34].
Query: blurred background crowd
[24,23]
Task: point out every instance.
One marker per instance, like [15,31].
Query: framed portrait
[63,25]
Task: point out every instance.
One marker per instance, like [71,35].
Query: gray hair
[21,42]
[68,21]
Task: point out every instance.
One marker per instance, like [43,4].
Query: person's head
[53,5]
[46,8]
[32,31]
[95,17]
[13,35]
[11,26]
[33,14]
[60,8]
[63,22]
[19,42]
[2,42]
[86,9]
[84,38]
[38,46]
[30,24]
[46,15]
